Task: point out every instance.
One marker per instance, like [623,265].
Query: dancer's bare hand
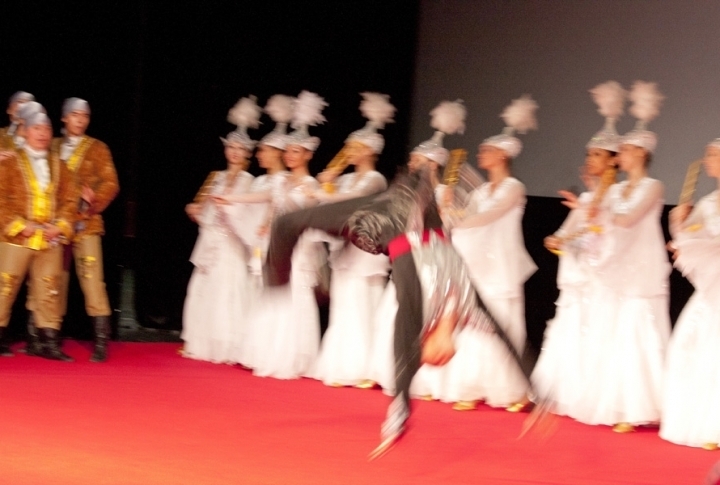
[680,213]
[552,242]
[571,200]
[327,176]
[193,211]
[438,346]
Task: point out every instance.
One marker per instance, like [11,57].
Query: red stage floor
[151,417]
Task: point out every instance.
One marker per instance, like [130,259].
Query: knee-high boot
[102,335]
[4,345]
[50,345]
[33,344]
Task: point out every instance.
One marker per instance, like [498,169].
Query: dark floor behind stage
[151,417]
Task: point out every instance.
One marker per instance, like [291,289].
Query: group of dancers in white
[608,357]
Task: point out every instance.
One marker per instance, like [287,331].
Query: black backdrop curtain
[160,80]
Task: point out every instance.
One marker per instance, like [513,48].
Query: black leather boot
[33,343]
[4,345]
[50,345]
[102,335]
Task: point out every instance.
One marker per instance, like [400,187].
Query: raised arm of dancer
[371,183]
[246,198]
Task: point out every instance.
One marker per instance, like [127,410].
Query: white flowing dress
[286,321]
[249,217]
[498,264]
[557,375]
[690,414]
[382,354]
[356,285]
[629,323]
[217,303]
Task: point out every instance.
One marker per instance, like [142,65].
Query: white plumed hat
[610,99]
[377,109]
[519,116]
[307,111]
[646,99]
[447,118]
[245,114]
[280,108]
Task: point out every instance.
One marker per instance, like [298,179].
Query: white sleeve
[370,184]
[512,195]
[627,215]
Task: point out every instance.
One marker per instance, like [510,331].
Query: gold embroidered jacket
[6,141]
[24,203]
[92,165]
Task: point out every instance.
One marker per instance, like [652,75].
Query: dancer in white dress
[253,211]
[692,380]
[287,322]
[629,324]
[557,375]
[217,302]
[490,241]
[358,277]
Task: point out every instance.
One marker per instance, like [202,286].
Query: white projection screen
[489,52]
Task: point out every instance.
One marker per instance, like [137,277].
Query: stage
[149,417]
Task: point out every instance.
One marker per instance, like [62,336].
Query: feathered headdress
[245,114]
[610,99]
[447,118]
[519,116]
[280,108]
[379,111]
[307,111]
[646,99]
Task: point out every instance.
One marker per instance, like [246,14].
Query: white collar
[35,154]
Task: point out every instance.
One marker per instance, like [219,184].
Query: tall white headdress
[307,111]
[447,118]
[280,108]
[646,99]
[377,109]
[610,99]
[245,114]
[519,116]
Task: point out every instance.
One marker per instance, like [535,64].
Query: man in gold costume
[38,202]
[90,162]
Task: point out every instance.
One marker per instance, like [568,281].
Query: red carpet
[151,417]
